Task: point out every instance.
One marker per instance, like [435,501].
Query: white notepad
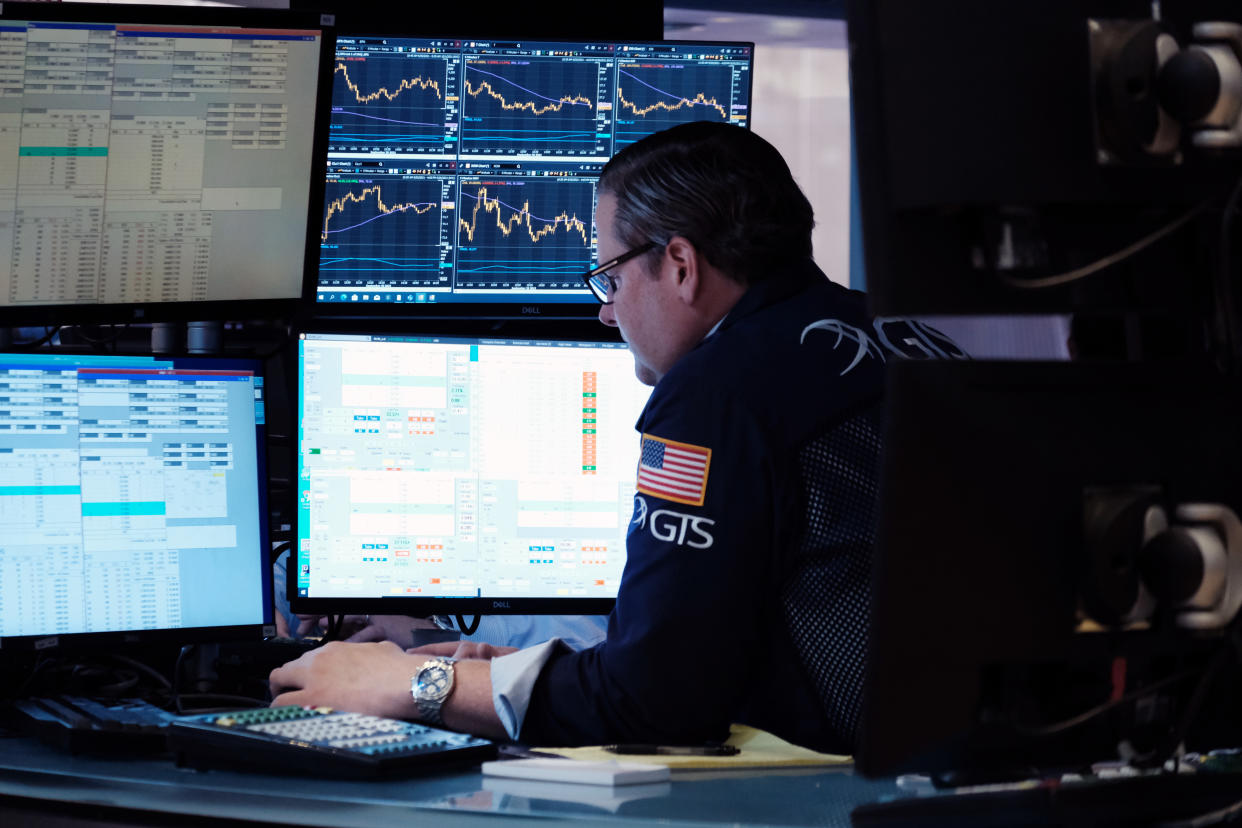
[585,773]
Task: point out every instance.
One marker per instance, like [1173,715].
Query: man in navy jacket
[746,588]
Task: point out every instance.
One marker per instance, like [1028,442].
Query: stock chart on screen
[395,99]
[464,171]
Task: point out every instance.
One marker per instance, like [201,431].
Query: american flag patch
[673,471]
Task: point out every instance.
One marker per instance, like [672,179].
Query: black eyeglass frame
[602,270]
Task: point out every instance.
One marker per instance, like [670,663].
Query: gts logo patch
[674,527]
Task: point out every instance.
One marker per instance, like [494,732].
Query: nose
[607,316]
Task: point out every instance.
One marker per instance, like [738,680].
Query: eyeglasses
[602,285]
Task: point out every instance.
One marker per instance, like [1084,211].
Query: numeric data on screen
[437,467]
[144,163]
[129,495]
[514,135]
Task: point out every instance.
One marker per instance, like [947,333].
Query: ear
[683,264]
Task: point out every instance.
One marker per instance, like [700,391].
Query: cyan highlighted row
[385,379]
[132,509]
[10,491]
[74,152]
[125,509]
[57,360]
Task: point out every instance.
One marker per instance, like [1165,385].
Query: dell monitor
[461,173]
[133,496]
[452,475]
[156,162]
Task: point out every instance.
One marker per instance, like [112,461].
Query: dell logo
[532,309]
[500,605]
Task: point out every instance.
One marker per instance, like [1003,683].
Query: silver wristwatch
[431,687]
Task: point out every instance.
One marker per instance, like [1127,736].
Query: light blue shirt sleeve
[513,681]
[522,631]
[577,631]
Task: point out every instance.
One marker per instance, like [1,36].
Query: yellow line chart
[700,98]
[534,108]
[341,203]
[519,218]
[383,92]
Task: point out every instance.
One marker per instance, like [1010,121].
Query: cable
[41,341]
[468,629]
[1106,262]
[39,666]
[224,697]
[1216,817]
[1066,724]
[101,340]
[1226,309]
[176,683]
[137,665]
[281,344]
[279,550]
[1228,650]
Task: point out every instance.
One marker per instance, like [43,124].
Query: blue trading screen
[465,171]
[130,495]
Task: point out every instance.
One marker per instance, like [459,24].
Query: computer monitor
[1029,614]
[463,475]
[461,172]
[1059,557]
[133,497]
[156,161]
[1023,158]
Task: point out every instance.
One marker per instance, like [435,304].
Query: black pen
[674,750]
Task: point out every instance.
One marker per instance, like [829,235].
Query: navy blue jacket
[746,589]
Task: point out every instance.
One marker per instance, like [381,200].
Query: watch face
[433,681]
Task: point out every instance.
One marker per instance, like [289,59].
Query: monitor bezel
[424,606]
[78,641]
[525,307]
[52,315]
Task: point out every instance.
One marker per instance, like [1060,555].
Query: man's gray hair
[722,187]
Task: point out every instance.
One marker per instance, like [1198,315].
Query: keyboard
[81,724]
[320,741]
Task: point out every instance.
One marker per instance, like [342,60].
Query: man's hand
[375,679]
[396,628]
[310,625]
[360,678]
[462,650]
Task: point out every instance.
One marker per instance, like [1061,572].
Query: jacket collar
[769,292]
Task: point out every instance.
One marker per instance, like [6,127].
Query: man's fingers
[462,649]
[440,648]
[277,681]
[308,625]
[372,632]
[479,650]
[293,697]
[286,676]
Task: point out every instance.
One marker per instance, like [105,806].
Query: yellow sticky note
[756,749]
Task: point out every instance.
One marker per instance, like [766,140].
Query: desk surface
[35,777]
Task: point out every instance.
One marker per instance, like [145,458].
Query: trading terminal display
[130,495]
[471,468]
[145,163]
[488,154]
